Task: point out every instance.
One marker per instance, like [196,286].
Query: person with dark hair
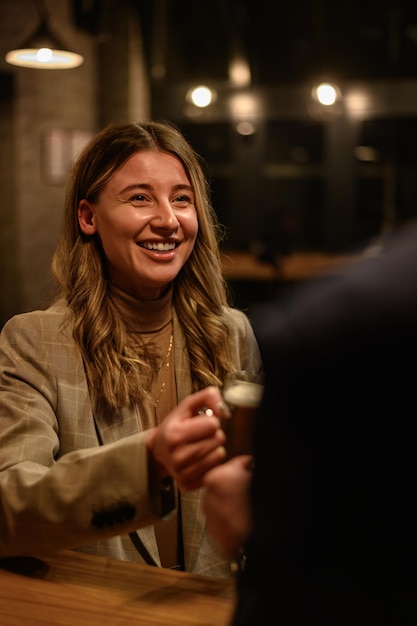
[327,517]
[110,398]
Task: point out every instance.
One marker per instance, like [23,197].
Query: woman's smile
[159,247]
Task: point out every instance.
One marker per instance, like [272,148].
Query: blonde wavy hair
[114,367]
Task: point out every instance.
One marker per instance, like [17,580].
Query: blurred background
[301,183]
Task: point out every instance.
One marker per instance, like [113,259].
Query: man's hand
[226,503]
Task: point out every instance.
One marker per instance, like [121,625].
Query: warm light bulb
[201,96]
[326,94]
[44,55]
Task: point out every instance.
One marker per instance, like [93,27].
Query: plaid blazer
[62,463]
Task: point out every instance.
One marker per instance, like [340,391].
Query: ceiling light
[245,128]
[44,50]
[326,94]
[201,96]
[239,72]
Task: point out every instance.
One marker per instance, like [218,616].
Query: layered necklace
[152,321]
[164,373]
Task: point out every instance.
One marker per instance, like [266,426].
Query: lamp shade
[44,50]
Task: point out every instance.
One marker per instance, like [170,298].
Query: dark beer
[243,398]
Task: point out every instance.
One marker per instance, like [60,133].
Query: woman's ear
[86,217]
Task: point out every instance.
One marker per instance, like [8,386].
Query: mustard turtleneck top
[152,320]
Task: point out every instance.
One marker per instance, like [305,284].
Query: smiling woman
[101,394]
[146,221]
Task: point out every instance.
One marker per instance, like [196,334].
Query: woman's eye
[138,199]
[183,199]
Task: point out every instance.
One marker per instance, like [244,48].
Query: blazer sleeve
[52,500]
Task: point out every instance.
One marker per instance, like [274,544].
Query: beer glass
[242,392]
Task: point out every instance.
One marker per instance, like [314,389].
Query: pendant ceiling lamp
[44,50]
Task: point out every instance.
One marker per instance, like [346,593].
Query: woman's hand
[189,441]
[226,503]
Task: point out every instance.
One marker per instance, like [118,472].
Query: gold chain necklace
[165,365]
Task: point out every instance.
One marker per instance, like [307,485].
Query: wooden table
[75,589]
[241,265]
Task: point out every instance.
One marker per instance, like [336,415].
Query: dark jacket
[335,479]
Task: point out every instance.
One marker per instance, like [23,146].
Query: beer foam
[243,393]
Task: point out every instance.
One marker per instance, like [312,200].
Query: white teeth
[162,247]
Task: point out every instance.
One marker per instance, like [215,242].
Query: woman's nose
[165,216]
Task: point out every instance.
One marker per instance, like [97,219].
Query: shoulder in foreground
[53,316]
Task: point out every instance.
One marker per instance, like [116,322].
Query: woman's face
[147,223]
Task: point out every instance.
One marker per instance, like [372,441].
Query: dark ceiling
[284,42]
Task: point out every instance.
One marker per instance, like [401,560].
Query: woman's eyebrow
[182,186]
[132,187]
[136,186]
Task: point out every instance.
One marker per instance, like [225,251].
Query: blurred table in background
[75,589]
[242,265]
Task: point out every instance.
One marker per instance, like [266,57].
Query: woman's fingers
[190,441]
[191,475]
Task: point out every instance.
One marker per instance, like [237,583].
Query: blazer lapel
[115,427]
[193,522]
